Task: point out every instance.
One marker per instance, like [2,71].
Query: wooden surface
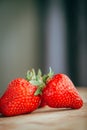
[49,118]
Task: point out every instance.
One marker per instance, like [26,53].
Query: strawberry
[22,95]
[60,92]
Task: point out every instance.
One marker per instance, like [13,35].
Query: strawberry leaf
[35,79]
[48,76]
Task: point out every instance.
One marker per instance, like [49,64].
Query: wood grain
[49,118]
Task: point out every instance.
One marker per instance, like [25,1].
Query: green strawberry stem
[38,80]
[48,76]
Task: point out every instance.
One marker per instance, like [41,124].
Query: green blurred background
[42,33]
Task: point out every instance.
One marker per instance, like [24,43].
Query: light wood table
[49,118]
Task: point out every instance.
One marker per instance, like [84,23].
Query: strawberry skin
[60,92]
[43,102]
[19,98]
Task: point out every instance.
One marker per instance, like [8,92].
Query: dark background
[42,33]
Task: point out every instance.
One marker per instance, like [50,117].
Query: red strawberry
[60,92]
[21,96]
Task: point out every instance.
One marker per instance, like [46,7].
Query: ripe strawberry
[22,96]
[60,92]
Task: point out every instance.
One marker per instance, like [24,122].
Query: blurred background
[42,33]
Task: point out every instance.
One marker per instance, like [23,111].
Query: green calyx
[38,79]
[48,76]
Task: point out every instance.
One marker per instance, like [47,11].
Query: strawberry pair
[26,95]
